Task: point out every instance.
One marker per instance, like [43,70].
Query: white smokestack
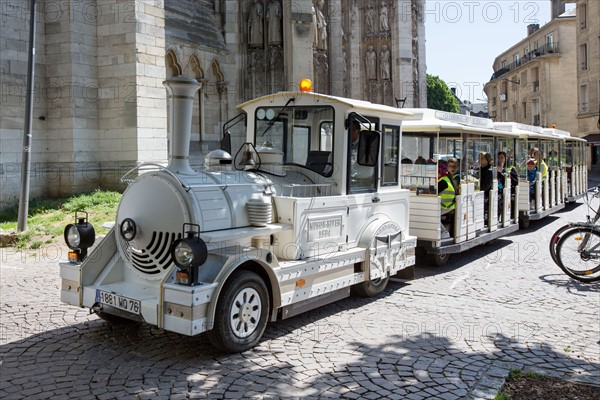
[181,92]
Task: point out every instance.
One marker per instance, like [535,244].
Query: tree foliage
[439,95]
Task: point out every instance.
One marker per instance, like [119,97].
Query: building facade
[100,107]
[534,81]
[588,71]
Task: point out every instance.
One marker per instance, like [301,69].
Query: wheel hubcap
[245,312]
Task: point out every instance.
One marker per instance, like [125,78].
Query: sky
[463,37]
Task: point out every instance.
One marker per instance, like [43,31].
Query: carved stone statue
[370,19]
[255,25]
[274,23]
[384,21]
[371,63]
[321,26]
[384,63]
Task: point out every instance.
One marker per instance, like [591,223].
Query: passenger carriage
[431,136]
[575,161]
[549,186]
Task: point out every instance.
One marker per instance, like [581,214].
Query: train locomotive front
[224,250]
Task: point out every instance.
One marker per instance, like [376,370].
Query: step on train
[327,196]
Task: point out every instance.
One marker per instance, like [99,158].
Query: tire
[437,259]
[241,313]
[370,288]
[582,265]
[556,236]
[524,222]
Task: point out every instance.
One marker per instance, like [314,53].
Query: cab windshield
[303,134]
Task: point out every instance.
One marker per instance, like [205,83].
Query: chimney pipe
[181,92]
[531,28]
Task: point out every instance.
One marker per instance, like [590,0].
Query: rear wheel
[241,313]
[524,222]
[556,236]
[438,259]
[578,254]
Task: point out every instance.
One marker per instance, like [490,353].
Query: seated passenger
[453,173]
[486,178]
[532,172]
[539,162]
[447,193]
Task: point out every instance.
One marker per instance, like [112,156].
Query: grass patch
[534,386]
[47,217]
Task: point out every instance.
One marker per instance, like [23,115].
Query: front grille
[155,257]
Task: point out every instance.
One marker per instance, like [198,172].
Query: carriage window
[391,147]
[326,143]
[417,168]
[303,134]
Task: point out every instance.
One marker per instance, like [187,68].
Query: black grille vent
[156,257]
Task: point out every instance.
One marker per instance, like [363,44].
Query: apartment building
[534,81]
[588,72]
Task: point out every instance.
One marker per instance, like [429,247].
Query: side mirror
[368,148]
[226,142]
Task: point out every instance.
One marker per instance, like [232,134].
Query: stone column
[298,41]
[336,65]
[402,39]
[357,61]
[131,69]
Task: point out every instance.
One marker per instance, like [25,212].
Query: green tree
[439,95]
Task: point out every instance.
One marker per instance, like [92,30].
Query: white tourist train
[327,196]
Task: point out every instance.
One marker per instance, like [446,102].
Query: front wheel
[241,313]
[578,254]
[370,288]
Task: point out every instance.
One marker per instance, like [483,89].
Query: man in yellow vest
[539,161]
[447,194]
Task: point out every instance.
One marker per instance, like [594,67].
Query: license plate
[116,301]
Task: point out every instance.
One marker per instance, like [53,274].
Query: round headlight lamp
[190,251]
[72,236]
[183,254]
[79,237]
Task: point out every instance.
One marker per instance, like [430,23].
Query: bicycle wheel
[556,236]
[578,253]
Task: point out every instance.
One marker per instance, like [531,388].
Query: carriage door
[362,180]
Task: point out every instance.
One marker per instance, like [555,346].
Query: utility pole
[26,161]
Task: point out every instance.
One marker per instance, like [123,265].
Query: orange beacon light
[306,85]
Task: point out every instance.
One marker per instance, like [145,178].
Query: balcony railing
[549,48]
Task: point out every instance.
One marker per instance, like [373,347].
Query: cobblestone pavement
[453,332]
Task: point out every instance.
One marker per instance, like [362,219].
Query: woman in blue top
[532,172]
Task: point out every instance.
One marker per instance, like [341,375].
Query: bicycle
[578,244]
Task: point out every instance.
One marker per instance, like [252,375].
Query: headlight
[79,236]
[183,254]
[188,253]
[72,236]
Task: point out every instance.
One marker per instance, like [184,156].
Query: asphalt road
[453,332]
